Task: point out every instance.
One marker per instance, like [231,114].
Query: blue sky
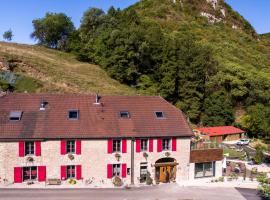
[18,14]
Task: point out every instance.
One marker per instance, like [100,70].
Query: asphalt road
[164,192]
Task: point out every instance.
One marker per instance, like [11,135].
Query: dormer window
[15,115]
[73,114]
[159,114]
[124,114]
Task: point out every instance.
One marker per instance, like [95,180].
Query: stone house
[95,139]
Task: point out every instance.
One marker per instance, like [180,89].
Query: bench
[54,181]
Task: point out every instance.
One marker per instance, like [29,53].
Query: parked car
[243,142]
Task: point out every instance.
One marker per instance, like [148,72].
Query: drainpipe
[132,161]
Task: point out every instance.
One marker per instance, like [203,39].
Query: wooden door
[162,176]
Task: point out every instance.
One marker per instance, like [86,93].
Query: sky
[17,15]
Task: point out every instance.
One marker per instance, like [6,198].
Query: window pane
[208,169]
[166,144]
[70,146]
[71,171]
[29,148]
[144,144]
[198,170]
[116,145]
[159,115]
[73,114]
[124,114]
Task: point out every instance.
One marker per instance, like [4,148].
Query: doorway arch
[165,170]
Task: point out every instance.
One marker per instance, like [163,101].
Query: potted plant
[117,181]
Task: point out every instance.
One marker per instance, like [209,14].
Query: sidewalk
[240,183]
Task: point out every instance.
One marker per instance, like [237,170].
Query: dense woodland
[210,71]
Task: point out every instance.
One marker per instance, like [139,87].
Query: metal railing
[205,145]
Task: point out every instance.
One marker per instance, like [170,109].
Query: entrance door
[167,173]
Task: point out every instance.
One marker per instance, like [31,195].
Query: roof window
[159,114]
[124,114]
[73,114]
[15,115]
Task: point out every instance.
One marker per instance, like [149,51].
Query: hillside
[38,69]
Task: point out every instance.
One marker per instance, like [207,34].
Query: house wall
[93,159]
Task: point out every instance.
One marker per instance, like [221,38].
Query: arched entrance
[165,170]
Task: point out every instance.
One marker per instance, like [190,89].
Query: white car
[243,142]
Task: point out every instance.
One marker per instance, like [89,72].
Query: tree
[257,121]
[8,35]
[53,30]
[218,109]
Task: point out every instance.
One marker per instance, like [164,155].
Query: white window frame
[26,147]
[116,149]
[68,149]
[118,173]
[141,144]
[169,146]
[72,166]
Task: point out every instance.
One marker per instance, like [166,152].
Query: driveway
[166,192]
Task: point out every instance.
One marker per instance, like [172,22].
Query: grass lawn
[233,153]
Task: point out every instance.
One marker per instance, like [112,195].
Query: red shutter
[41,173]
[124,170]
[78,147]
[78,172]
[109,170]
[150,145]
[21,148]
[63,147]
[173,144]
[159,145]
[63,172]
[124,146]
[38,148]
[138,145]
[17,174]
[110,147]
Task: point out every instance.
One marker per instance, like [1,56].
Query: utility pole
[132,161]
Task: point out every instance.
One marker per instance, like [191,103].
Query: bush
[258,158]
[149,180]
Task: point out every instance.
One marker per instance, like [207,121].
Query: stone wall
[93,159]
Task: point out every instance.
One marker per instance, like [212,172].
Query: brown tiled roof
[95,121]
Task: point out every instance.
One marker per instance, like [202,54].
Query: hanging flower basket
[71,157]
[117,156]
[145,155]
[167,154]
[30,159]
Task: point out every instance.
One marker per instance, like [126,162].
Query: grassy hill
[38,69]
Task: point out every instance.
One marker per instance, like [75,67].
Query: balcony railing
[205,145]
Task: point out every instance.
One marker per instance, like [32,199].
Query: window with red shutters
[109,171]
[138,145]
[18,175]
[150,145]
[78,147]
[78,172]
[124,170]
[159,145]
[63,147]
[124,146]
[174,144]
[41,173]
[21,149]
[38,148]
[63,172]
[110,146]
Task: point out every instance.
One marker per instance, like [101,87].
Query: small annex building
[221,133]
